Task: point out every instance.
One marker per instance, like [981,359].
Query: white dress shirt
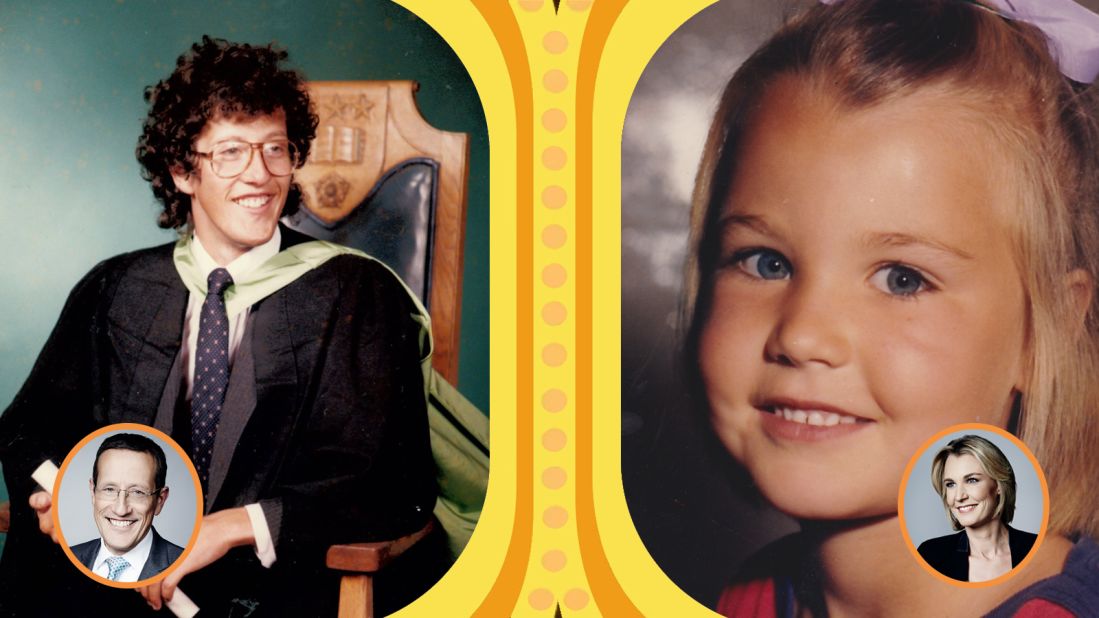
[238,268]
[137,556]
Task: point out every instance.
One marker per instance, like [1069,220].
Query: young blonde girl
[896,229]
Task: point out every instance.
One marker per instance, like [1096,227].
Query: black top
[949,554]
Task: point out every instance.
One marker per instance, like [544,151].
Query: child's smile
[866,296]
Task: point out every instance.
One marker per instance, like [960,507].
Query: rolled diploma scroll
[181,605]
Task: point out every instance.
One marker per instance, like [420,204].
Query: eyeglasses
[230,159]
[137,495]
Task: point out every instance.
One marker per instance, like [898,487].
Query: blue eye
[899,280]
[764,264]
[949,484]
[275,150]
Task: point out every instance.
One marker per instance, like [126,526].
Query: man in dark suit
[128,490]
[292,370]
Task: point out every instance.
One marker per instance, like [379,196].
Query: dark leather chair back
[381,180]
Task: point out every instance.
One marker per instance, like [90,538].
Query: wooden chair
[360,562]
[380,179]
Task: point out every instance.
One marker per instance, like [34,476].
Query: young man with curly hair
[290,369]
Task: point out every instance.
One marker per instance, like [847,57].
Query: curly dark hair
[217,79]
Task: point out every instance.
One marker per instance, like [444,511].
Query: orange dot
[554,196]
[554,560]
[531,5]
[540,599]
[553,236]
[554,275]
[578,5]
[576,599]
[554,440]
[555,517]
[555,80]
[554,354]
[554,313]
[554,478]
[554,157]
[554,400]
[554,120]
[555,42]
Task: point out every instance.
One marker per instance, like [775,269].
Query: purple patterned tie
[211,372]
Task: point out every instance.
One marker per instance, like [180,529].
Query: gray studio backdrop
[692,521]
[924,515]
[682,498]
[176,521]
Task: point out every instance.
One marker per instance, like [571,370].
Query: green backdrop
[71,81]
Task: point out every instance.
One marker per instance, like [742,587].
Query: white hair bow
[1071,29]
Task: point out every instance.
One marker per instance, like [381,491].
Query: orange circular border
[56,507]
[1045,504]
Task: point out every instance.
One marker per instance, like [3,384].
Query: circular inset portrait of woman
[973,505]
[128,502]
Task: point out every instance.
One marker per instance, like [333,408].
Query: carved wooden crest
[347,157]
[366,128]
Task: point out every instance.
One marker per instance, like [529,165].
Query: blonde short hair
[995,465]
[863,53]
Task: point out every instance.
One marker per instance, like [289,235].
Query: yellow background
[555,535]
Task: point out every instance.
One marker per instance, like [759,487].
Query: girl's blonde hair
[995,465]
[998,71]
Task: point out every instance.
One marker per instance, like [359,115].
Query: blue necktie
[115,566]
[211,372]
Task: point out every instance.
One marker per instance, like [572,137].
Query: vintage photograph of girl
[893,228]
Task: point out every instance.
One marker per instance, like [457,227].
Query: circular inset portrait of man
[127,505]
[974,504]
